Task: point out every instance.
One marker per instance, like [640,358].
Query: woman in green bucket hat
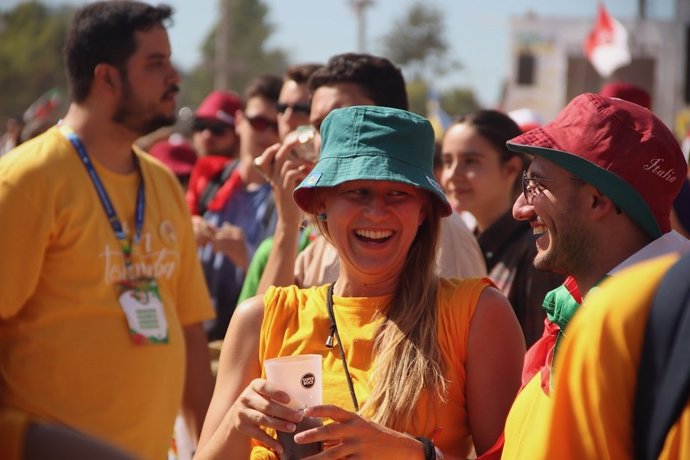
[413,365]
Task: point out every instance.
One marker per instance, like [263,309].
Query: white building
[549,67]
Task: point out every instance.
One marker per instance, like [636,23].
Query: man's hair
[265,86]
[103,32]
[300,73]
[380,80]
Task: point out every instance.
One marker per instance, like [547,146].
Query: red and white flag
[606,46]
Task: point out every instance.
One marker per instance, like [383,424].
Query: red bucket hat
[220,106]
[619,147]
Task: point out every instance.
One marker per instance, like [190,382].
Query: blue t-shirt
[254,213]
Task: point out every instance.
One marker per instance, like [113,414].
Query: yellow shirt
[592,401]
[527,410]
[66,355]
[296,322]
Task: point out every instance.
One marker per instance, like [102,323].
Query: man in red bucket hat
[598,195]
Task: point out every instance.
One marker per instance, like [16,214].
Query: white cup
[299,376]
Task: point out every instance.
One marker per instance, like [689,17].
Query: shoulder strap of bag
[214,185]
[663,380]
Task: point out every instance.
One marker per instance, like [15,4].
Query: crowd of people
[313,213]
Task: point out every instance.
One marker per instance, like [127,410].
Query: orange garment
[296,322]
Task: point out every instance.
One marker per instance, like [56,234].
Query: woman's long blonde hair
[407,354]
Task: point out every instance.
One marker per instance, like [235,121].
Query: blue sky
[314,30]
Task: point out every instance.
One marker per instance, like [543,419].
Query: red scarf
[226,191]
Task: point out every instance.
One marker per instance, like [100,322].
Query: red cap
[176,154]
[627,92]
[619,147]
[220,106]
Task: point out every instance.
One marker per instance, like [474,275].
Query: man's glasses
[531,186]
[217,129]
[261,123]
[300,107]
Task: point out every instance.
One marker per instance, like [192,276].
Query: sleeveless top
[296,322]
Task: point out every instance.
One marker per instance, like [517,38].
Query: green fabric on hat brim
[613,186]
[373,143]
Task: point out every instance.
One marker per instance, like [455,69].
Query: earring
[322,217]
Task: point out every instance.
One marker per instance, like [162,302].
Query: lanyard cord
[107,204]
[334,331]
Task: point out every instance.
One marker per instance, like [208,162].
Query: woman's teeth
[376,235]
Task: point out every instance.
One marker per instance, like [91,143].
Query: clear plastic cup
[300,377]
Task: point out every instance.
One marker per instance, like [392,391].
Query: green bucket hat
[373,143]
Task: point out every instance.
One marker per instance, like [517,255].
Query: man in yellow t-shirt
[598,196]
[591,410]
[102,298]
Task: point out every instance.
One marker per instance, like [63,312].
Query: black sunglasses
[217,129]
[261,123]
[299,107]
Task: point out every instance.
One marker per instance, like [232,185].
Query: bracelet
[429,448]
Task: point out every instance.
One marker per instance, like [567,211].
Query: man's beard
[130,114]
[570,253]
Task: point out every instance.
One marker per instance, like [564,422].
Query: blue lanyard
[105,199]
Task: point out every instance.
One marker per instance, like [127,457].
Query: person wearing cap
[598,195]
[240,212]
[215,141]
[347,79]
[443,382]
[176,154]
[213,125]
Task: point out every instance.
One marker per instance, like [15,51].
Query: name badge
[144,311]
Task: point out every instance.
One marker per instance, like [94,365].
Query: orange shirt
[296,322]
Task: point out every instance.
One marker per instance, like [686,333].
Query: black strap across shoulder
[663,380]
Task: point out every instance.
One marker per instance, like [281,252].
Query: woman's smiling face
[373,224]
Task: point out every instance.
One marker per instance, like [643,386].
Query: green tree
[247,54]
[32,36]
[453,101]
[417,42]
[457,101]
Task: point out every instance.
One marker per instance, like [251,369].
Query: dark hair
[103,32]
[379,78]
[300,73]
[265,86]
[497,128]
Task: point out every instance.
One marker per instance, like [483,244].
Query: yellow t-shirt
[296,322]
[526,423]
[65,351]
[592,402]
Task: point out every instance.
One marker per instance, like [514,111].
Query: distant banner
[606,46]
[439,119]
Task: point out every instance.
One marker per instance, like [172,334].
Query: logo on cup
[308,380]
